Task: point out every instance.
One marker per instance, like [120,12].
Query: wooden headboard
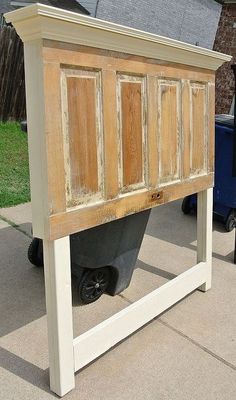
[119,120]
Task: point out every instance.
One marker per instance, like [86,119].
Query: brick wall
[225,42]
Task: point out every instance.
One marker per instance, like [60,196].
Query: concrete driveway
[188,353]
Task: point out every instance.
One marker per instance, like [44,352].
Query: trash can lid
[225,119]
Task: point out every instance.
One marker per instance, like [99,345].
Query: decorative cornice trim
[41,21]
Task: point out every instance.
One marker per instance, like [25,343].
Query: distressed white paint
[59,314]
[102,337]
[164,84]
[36,137]
[197,86]
[41,21]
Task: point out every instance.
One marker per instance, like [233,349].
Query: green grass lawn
[14,165]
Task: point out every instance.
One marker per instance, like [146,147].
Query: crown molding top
[39,21]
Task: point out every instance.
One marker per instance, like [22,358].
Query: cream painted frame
[67,355]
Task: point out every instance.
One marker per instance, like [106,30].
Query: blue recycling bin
[224,194]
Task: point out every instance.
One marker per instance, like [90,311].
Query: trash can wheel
[230,223]
[33,256]
[186,205]
[93,284]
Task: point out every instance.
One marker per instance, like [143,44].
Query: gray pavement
[187,353]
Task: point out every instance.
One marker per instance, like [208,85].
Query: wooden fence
[12,79]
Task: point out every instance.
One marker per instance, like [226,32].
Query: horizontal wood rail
[105,335]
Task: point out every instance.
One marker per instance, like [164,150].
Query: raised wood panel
[198,128]
[131,111]
[83,136]
[169,131]
[132,132]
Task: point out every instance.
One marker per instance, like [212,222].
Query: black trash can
[102,258]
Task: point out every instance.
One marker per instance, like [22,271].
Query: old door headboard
[119,120]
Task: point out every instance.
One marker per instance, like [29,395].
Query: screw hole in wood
[156,196]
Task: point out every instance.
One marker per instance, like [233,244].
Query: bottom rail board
[105,335]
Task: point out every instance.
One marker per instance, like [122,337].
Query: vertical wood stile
[185,129]
[199,129]
[211,127]
[152,131]
[34,67]
[169,131]
[109,89]
[54,138]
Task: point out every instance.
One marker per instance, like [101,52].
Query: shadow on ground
[174,227]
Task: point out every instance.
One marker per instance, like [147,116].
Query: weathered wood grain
[152,132]
[169,135]
[111,184]
[185,129]
[82,135]
[131,128]
[83,56]
[131,131]
[199,128]
[211,127]
[54,139]
[84,218]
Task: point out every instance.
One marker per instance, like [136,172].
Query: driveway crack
[15,226]
[197,344]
